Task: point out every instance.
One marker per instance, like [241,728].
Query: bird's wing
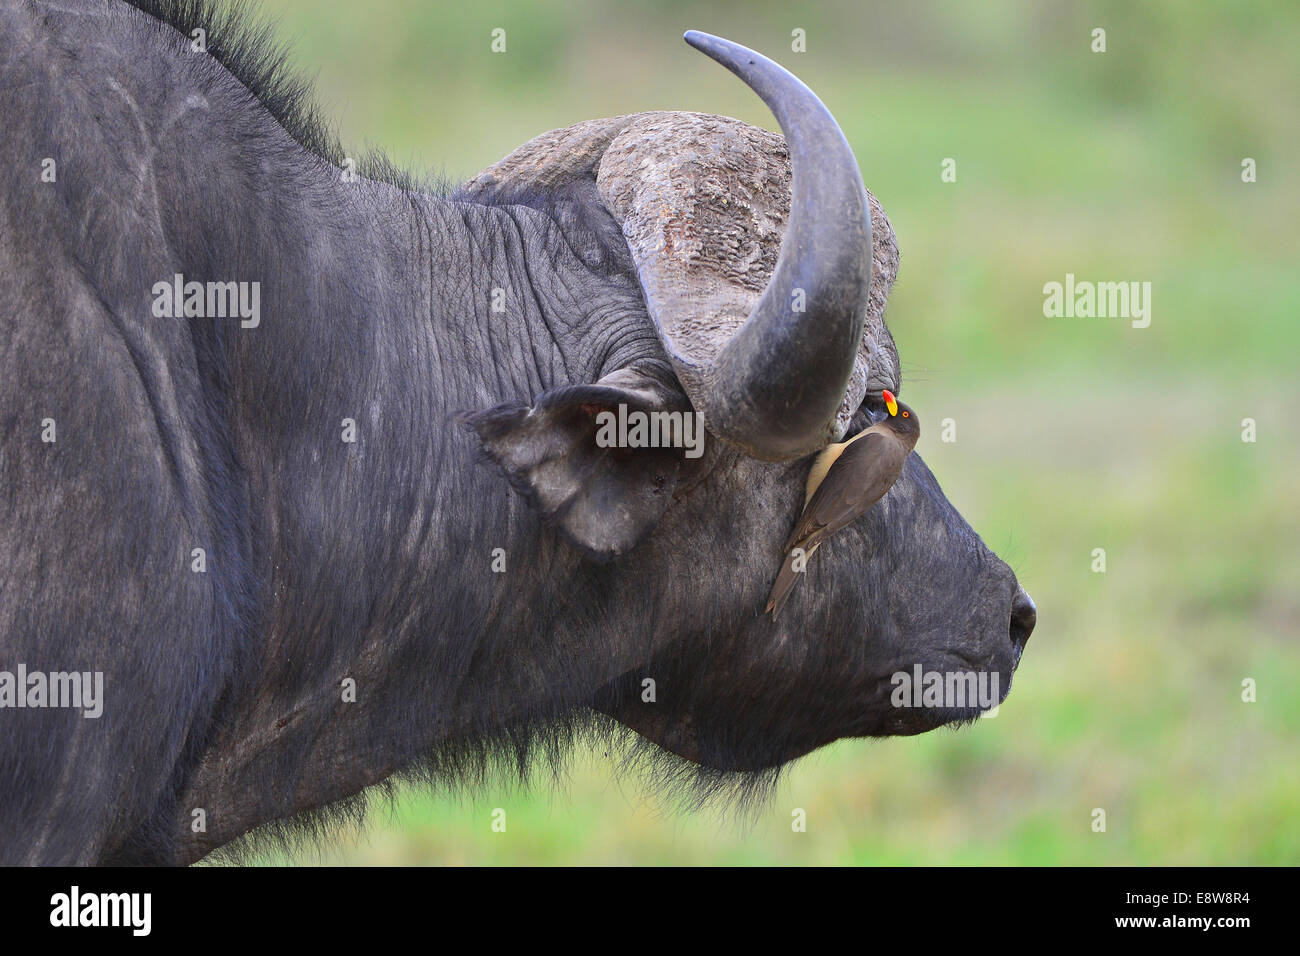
[856,481]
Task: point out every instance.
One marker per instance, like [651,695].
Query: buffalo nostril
[1024,615]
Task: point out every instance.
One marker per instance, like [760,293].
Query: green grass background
[1072,434]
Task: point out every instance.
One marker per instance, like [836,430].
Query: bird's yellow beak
[891,403]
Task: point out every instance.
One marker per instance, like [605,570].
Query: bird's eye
[904,414]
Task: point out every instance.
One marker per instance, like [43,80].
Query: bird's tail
[785,582]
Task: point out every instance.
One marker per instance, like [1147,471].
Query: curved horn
[775,388]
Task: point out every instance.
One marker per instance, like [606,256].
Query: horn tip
[733,56]
[707,43]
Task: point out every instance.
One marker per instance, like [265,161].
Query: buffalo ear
[604,500]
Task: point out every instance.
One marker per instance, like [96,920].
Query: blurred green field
[1072,434]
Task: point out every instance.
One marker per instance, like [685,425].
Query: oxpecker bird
[846,480]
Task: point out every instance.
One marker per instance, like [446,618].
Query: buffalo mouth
[959,690]
[712,742]
[922,698]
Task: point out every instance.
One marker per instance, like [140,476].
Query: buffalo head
[906,621]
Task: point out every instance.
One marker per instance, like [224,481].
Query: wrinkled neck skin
[379,324]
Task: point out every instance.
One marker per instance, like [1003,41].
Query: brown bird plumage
[845,481]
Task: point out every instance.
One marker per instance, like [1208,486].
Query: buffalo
[301,481]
